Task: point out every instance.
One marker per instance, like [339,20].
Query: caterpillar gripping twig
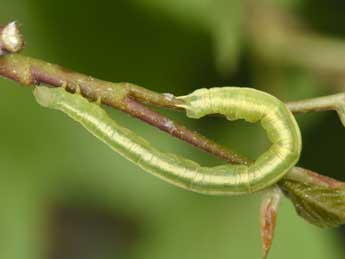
[233,102]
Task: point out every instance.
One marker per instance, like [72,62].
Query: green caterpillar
[233,102]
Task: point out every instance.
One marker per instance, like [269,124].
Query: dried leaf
[269,208]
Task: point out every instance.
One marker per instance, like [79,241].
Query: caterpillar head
[195,104]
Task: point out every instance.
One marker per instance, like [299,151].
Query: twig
[334,102]
[306,176]
[325,103]
[129,98]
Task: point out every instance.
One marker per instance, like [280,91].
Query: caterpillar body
[233,102]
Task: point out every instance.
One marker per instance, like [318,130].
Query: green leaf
[321,205]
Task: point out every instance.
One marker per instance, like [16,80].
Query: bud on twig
[11,39]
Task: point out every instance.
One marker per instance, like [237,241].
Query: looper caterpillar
[233,102]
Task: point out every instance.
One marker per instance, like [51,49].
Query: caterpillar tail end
[44,96]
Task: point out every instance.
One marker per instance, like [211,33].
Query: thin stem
[302,175]
[324,103]
[334,102]
[29,71]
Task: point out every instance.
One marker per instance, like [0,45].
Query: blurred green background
[66,195]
